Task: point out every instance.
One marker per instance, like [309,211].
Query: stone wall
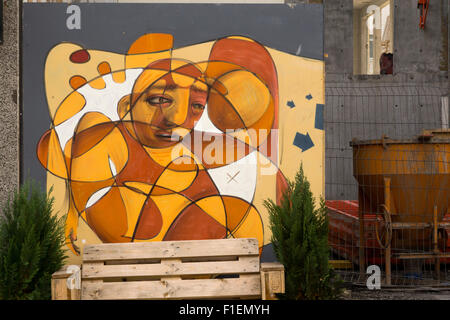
[9,127]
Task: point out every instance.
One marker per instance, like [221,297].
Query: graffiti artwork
[161,143]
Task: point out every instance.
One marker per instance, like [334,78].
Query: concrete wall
[9,138]
[365,107]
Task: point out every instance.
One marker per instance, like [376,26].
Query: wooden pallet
[200,269]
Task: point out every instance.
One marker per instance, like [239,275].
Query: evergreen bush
[300,241]
[32,244]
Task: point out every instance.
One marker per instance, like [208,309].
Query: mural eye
[158,101]
[198,107]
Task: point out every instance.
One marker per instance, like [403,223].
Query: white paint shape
[96,196]
[238,178]
[204,124]
[112,166]
[103,101]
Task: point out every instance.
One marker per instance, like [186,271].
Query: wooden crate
[272,280]
[66,283]
[200,269]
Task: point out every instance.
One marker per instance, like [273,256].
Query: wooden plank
[271,266]
[249,287]
[170,249]
[172,268]
[272,280]
[59,289]
[172,265]
[59,285]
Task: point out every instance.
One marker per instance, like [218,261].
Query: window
[373,36]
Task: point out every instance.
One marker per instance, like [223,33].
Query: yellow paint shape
[250,227]
[119,76]
[195,53]
[91,119]
[73,104]
[57,74]
[265,189]
[98,83]
[55,160]
[94,165]
[176,180]
[151,42]
[245,91]
[145,188]
[298,77]
[241,38]
[171,205]
[143,60]
[133,202]
[213,206]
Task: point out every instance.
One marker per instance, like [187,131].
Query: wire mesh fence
[388,182]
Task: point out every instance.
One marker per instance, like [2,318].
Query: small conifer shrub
[300,241]
[32,244]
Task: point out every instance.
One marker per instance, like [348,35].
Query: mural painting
[158,143]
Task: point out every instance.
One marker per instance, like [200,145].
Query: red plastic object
[423,6]
[344,233]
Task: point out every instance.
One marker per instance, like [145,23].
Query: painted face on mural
[166,112]
[129,166]
[165,109]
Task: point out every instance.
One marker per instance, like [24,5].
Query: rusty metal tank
[418,170]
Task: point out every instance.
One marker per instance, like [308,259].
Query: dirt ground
[361,293]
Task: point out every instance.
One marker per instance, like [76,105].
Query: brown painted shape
[108,217]
[195,224]
[77,82]
[236,209]
[82,191]
[201,187]
[42,148]
[140,166]
[253,57]
[281,186]
[80,56]
[104,68]
[150,221]
[222,113]
[86,139]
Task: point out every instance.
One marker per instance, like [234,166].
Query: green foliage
[300,240]
[31,245]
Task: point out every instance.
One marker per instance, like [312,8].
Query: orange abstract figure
[150,167]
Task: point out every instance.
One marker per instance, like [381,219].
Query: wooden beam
[170,249]
[248,286]
[171,267]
